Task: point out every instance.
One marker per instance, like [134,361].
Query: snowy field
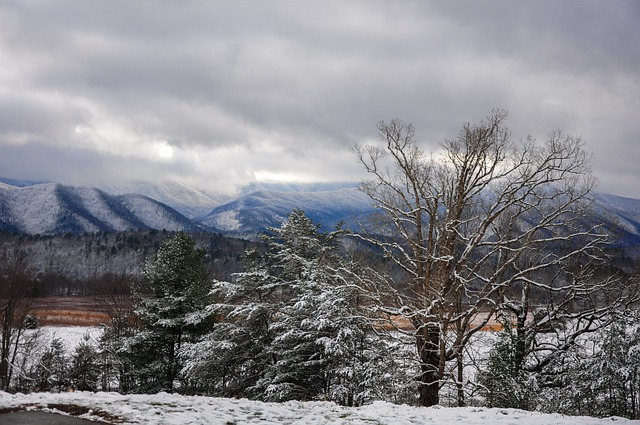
[168,409]
[71,336]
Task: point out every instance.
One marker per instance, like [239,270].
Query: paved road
[42,418]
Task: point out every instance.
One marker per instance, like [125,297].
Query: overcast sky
[220,93]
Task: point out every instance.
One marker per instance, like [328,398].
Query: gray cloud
[224,93]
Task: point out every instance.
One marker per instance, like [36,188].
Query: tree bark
[428,345]
[460,380]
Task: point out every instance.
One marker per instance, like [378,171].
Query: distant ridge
[192,202]
[20,183]
[51,208]
[259,210]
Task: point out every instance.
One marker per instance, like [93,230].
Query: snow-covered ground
[168,409]
[71,336]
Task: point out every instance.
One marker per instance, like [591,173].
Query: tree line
[71,264]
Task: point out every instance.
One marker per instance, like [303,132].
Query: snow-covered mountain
[626,211]
[52,208]
[19,183]
[620,216]
[268,208]
[192,202]
[48,208]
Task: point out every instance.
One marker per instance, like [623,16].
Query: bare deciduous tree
[484,219]
[15,306]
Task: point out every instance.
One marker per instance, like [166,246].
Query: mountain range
[52,208]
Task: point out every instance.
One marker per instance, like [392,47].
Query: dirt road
[42,418]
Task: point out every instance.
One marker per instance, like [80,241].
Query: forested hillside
[90,255]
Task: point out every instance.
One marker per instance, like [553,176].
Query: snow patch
[226,220]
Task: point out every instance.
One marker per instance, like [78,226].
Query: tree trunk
[5,345]
[459,383]
[171,367]
[428,345]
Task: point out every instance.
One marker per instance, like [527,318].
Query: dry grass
[405,324]
[87,311]
[71,318]
[69,311]
[493,327]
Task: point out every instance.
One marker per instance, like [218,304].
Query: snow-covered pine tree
[616,370]
[294,324]
[230,359]
[171,305]
[504,380]
[322,346]
[84,370]
[303,263]
[602,378]
[115,358]
[51,371]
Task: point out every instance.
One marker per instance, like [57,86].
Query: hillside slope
[262,209]
[52,208]
[192,202]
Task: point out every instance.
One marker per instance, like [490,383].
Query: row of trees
[301,323]
[304,323]
[295,325]
[600,376]
[57,370]
[68,265]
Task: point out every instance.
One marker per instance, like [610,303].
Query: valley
[81,241]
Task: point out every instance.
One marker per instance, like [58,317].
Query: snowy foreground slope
[170,409]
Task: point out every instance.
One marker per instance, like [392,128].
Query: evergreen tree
[85,367]
[115,357]
[603,376]
[304,266]
[613,375]
[294,324]
[504,380]
[52,371]
[232,357]
[171,307]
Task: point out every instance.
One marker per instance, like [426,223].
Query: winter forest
[481,281]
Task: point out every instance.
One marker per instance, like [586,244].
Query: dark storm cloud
[234,91]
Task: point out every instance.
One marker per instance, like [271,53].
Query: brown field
[87,311]
[492,326]
[69,311]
